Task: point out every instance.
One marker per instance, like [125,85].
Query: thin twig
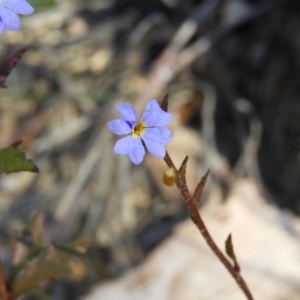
[179,56]
[197,219]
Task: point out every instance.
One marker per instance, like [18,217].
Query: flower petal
[2,27]
[155,139]
[18,6]
[9,19]
[137,153]
[155,116]
[121,146]
[128,113]
[119,126]
[162,135]
[156,149]
[131,146]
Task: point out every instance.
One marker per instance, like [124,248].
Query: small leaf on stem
[230,252]
[199,189]
[181,180]
[183,165]
[165,103]
[8,64]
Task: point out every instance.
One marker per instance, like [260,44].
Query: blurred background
[231,69]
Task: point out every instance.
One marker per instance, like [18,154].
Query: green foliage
[51,264]
[12,160]
[40,263]
[230,252]
[229,247]
[39,5]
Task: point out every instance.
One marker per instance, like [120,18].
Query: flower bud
[169,176]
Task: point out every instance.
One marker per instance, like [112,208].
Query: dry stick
[3,290]
[196,218]
[175,58]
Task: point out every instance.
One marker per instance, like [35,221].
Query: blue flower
[149,131]
[8,13]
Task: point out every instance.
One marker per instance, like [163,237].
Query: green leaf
[51,264]
[229,247]
[230,252]
[12,160]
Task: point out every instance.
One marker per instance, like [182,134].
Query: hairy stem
[197,219]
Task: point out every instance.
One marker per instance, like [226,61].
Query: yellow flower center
[138,129]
